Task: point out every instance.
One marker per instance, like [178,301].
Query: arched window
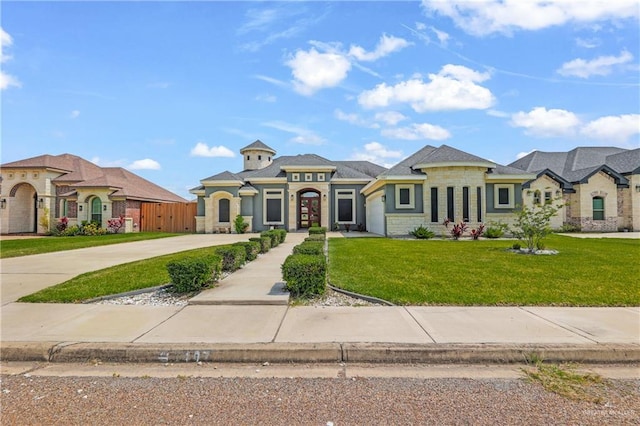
[598,208]
[96,210]
[223,210]
[536,197]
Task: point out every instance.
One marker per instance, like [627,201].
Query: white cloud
[602,65]
[386,45]
[301,135]
[505,16]
[271,80]
[547,123]
[146,164]
[588,43]
[266,98]
[313,70]
[613,128]
[443,37]
[377,153]
[6,80]
[453,88]
[203,150]
[354,118]
[74,114]
[390,118]
[497,113]
[417,132]
[524,154]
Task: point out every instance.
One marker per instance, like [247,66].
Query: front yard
[586,272]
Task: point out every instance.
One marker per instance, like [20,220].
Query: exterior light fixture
[324,197]
[292,197]
[104,207]
[383,198]
[80,207]
[40,203]
[637,188]
[3,203]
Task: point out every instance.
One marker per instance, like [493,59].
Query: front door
[309,209]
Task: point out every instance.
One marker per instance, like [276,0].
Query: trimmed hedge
[252,249]
[305,274]
[189,275]
[314,230]
[316,237]
[309,247]
[233,257]
[274,235]
[265,243]
[282,234]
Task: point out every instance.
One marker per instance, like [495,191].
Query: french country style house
[66,185]
[601,187]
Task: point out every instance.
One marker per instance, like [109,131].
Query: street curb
[388,353]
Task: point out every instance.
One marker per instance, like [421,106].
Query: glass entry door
[308,209]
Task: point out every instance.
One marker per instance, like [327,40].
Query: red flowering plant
[114,225]
[477,232]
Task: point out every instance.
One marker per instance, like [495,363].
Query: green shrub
[305,274]
[274,235]
[282,234]
[233,257]
[317,230]
[240,225]
[422,233]
[495,230]
[569,227]
[316,237]
[252,249]
[93,229]
[309,247]
[189,275]
[71,231]
[265,243]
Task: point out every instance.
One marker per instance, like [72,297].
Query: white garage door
[375,214]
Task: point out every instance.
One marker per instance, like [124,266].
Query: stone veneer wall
[599,185]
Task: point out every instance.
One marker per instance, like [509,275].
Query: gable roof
[80,173]
[627,162]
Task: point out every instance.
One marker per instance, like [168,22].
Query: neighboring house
[600,185]
[69,186]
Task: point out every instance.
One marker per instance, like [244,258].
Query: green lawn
[28,246]
[114,280]
[586,272]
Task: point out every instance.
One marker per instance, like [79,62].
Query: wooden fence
[168,217]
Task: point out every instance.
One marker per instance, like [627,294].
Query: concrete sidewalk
[244,319]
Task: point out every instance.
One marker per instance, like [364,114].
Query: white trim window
[405,196]
[308,177]
[295,177]
[503,196]
[273,206]
[345,208]
[320,177]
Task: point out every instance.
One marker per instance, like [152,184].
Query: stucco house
[426,188]
[70,186]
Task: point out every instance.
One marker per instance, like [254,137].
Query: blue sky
[172,90]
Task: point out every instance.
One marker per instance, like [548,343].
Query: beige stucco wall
[598,185]
[546,184]
[211,223]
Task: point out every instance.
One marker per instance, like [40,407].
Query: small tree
[240,225]
[532,224]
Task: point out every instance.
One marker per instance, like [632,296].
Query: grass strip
[565,381]
[29,246]
[586,272]
[116,279]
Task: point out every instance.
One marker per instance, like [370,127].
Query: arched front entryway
[23,213]
[309,208]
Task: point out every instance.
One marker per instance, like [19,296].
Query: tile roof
[80,173]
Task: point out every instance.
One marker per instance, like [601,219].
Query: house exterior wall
[598,185]
[361,214]
[212,211]
[634,204]
[291,200]
[545,184]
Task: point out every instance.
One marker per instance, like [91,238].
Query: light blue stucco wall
[490,198]
[390,203]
